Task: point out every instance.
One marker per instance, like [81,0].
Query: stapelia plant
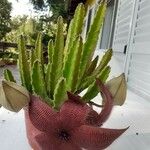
[67,121]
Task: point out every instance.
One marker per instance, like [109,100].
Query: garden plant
[57,96]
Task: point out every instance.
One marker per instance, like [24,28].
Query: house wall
[138,58]
[135,38]
[131,43]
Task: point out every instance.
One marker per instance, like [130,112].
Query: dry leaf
[118,88]
[13,97]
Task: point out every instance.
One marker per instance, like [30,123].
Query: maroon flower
[75,126]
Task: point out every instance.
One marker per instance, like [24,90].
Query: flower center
[64,135]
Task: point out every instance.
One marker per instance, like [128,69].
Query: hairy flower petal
[75,98]
[73,114]
[49,142]
[43,117]
[93,138]
[69,146]
[46,142]
[108,105]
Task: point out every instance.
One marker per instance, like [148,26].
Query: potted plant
[57,115]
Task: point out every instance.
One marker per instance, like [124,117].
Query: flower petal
[48,142]
[73,114]
[69,146]
[94,138]
[45,142]
[43,117]
[103,116]
[74,98]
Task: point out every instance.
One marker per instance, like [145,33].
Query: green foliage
[50,50]
[104,61]
[93,89]
[9,57]
[8,75]
[24,67]
[23,26]
[92,66]
[70,66]
[58,7]
[57,59]
[38,83]
[60,94]
[75,28]
[38,53]
[89,78]
[5,10]
[91,41]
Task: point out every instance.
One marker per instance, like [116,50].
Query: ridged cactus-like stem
[38,81]
[8,75]
[92,66]
[24,67]
[39,49]
[50,51]
[60,94]
[91,41]
[71,68]
[93,89]
[57,59]
[104,61]
[75,29]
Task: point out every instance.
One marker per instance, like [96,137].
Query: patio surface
[134,113]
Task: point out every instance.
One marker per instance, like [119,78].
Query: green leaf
[75,28]
[24,67]
[8,75]
[92,38]
[104,61]
[118,88]
[71,68]
[38,81]
[57,59]
[93,90]
[50,50]
[60,94]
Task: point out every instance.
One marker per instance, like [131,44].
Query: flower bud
[118,88]
[13,96]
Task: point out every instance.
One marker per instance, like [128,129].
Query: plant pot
[31,131]
[73,127]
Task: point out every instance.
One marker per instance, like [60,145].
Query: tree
[65,8]
[5,10]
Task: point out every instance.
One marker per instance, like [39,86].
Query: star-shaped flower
[74,127]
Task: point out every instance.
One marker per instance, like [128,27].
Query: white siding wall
[123,24]
[121,34]
[132,29]
[138,60]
